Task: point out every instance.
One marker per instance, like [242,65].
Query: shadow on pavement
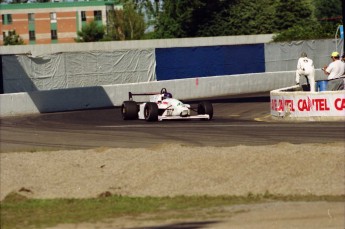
[189,225]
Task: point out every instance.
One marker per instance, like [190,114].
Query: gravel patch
[170,170]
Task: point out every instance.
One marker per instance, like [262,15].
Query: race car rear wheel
[151,112]
[129,110]
[205,108]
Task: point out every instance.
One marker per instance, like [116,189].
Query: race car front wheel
[205,108]
[129,110]
[151,112]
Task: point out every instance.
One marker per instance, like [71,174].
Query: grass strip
[17,211]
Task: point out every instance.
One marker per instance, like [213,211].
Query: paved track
[236,121]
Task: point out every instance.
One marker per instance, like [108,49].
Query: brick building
[52,22]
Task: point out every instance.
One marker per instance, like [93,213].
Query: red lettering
[339,104]
[317,104]
[299,105]
[289,104]
[321,104]
[325,103]
[273,104]
[303,105]
[281,105]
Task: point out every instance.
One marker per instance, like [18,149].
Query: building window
[53,34]
[9,18]
[98,15]
[83,16]
[53,17]
[31,17]
[32,35]
[6,19]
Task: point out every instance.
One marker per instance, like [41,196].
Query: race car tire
[205,108]
[129,110]
[151,112]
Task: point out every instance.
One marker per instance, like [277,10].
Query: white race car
[163,106]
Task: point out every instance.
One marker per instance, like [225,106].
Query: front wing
[172,117]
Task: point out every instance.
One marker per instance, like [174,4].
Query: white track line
[197,125]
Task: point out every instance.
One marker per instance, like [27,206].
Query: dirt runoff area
[170,170]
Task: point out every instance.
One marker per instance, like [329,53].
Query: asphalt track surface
[237,121]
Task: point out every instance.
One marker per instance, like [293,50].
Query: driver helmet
[167,95]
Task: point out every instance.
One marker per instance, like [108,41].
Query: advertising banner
[297,104]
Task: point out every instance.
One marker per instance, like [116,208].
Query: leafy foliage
[328,13]
[91,32]
[126,24]
[327,8]
[241,18]
[13,39]
[293,12]
[291,19]
[149,8]
[314,27]
[179,18]
[302,32]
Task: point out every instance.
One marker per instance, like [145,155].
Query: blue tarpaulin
[191,62]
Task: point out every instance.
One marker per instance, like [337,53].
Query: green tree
[293,12]
[150,9]
[126,24]
[13,39]
[91,32]
[216,18]
[327,9]
[328,14]
[288,18]
[237,17]
[134,22]
[265,11]
[178,18]
[298,32]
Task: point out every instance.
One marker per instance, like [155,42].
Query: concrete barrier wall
[62,66]
[39,50]
[31,68]
[113,95]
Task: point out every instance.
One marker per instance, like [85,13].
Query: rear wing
[130,94]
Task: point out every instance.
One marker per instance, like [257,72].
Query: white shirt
[335,69]
[305,64]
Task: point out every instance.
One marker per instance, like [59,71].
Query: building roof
[20,6]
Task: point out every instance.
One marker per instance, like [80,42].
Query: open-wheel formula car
[163,106]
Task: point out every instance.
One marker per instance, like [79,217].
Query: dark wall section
[190,62]
[1,77]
